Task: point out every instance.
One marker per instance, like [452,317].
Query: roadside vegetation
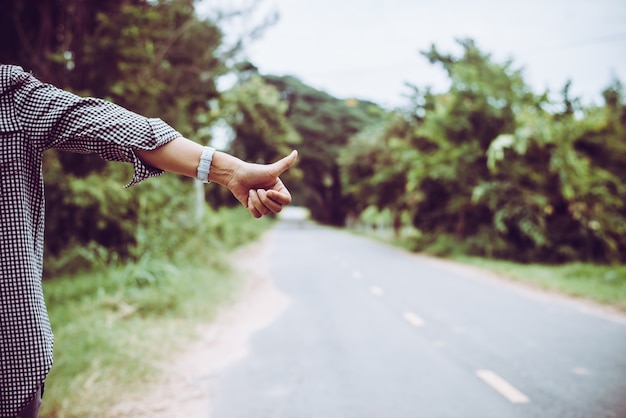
[115,323]
[605,284]
[601,283]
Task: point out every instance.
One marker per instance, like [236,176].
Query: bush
[114,323]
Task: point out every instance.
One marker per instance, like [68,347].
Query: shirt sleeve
[54,118]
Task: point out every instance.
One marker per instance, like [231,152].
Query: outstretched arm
[54,118]
[258,187]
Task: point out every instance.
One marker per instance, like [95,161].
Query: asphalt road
[372,331]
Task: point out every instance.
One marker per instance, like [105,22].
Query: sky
[369,49]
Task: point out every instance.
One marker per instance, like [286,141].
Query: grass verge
[114,325]
[601,283]
[605,284]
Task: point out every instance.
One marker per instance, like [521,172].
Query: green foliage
[257,114]
[488,163]
[375,164]
[602,283]
[491,169]
[455,130]
[112,325]
[154,57]
[84,221]
[325,124]
[165,61]
[157,58]
[574,205]
[151,284]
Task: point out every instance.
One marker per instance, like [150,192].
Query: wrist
[204,167]
[223,168]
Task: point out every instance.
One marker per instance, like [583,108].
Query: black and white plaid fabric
[35,117]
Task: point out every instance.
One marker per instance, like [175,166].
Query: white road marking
[357,274]
[376,291]
[344,264]
[501,386]
[413,319]
[580,371]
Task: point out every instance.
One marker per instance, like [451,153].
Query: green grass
[605,284]
[113,326]
[109,340]
[601,283]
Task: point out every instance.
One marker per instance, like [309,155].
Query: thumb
[284,163]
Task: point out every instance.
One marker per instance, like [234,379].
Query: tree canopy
[488,165]
[325,124]
[157,58]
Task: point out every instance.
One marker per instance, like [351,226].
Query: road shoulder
[189,378]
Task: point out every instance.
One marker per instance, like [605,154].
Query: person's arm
[54,118]
[257,187]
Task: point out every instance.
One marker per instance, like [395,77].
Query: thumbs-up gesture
[259,188]
[256,186]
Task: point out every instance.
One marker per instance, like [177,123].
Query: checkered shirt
[35,117]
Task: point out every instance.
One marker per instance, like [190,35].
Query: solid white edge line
[501,386]
[413,319]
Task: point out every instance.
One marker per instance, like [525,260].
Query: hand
[259,188]
[256,186]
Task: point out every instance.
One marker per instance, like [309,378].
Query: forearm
[182,156]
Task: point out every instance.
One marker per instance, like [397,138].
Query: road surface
[373,331]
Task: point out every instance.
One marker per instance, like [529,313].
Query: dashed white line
[580,371]
[501,386]
[413,319]
[376,291]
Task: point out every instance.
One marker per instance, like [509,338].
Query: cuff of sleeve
[162,134]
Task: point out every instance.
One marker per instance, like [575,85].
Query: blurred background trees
[325,124]
[493,169]
[157,58]
[488,166]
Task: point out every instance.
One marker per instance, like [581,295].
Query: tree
[257,114]
[375,164]
[510,177]
[455,130]
[155,58]
[563,163]
[325,124]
